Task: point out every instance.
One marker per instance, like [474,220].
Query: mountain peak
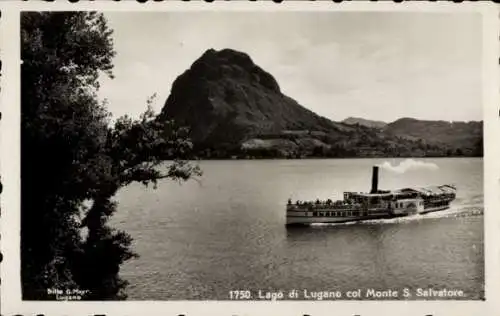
[225,97]
[227,56]
[232,65]
[234,107]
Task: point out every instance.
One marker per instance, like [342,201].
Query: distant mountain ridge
[234,108]
[457,135]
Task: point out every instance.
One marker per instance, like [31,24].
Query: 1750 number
[240,295]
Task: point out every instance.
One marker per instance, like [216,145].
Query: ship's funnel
[374,180]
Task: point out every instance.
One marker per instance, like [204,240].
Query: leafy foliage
[74,162]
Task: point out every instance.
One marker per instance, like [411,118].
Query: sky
[375,65]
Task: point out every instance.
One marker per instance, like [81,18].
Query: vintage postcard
[238,158]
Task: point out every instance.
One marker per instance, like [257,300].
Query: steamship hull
[431,209]
[307,220]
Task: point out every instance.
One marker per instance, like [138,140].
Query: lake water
[201,240]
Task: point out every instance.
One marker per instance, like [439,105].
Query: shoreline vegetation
[74,161]
[336,152]
[274,156]
[194,159]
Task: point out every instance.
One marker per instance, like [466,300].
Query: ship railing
[337,206]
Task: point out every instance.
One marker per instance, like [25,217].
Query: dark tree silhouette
[74,161]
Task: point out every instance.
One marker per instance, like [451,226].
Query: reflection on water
[202,240]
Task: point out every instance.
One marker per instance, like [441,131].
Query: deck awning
[431,190]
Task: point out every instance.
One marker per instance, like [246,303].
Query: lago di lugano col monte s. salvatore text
[370,293]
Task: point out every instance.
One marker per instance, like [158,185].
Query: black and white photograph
[252,156]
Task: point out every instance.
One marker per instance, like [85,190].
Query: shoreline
[331,158]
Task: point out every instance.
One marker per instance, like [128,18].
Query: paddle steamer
[377,204]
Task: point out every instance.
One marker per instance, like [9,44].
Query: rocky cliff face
[234,107]
[224,97]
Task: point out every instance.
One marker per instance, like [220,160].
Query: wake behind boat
[377,204]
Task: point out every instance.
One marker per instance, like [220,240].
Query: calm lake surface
[200,240]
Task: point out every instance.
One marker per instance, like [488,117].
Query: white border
[10,157]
